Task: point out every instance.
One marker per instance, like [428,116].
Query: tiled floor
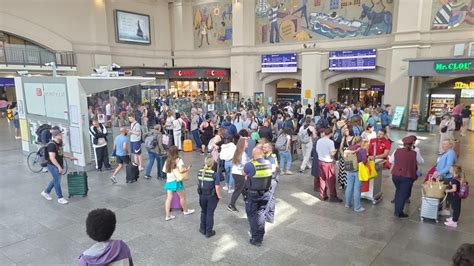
[306,231]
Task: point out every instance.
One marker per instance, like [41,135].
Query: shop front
[363,91]
[194,82]
[441,84]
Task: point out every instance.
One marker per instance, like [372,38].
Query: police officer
[259,176]
[272,158]
[209,195]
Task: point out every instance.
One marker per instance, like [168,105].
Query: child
[453,197]
[100,225]
[432,121]
[209,195]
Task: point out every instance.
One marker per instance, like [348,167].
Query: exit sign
[454,67]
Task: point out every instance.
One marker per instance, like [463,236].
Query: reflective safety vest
[263,176]
[206,175]
[276,163]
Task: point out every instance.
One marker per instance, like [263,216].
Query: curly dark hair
[100,224]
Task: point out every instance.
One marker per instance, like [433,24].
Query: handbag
[363,172]
[372,172]
[180,176]
[434,189]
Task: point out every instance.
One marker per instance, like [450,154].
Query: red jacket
[405,163]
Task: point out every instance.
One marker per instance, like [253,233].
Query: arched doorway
[281,87]
[363,91]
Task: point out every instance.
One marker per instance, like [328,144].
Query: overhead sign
[467,93]
[353,60]
[454,66]
[463,85]
[279,63]
[377,88]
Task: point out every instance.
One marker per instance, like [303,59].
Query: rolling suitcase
[132,173]
[161,161]
[187,145]
[175,202]
[77,184]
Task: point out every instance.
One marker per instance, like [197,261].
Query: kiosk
[62,101]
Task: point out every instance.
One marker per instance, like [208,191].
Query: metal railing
[35,56]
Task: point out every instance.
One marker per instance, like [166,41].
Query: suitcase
[187,145]
[160,162]
[132,173]
[429,208]
[175,202]
[77,184]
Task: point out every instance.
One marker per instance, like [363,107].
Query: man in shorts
[121,152]
[136,141]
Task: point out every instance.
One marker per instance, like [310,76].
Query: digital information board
[279,63]
[353,60]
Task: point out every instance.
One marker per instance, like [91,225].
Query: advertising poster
[132,27]
[321,99]
[398,116]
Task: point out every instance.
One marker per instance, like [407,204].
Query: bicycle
[33,161]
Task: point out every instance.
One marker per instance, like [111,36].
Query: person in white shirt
[327,173]
[226,154]
[432,122]
[169,126]
[177,129]
[136,141]
[289,109]
[306,140]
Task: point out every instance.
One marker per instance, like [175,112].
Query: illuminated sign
[461,66]
[464,85]
[183,73]
[216,73]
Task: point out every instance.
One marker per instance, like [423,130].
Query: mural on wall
[302,20]
[213,25]
[448,14]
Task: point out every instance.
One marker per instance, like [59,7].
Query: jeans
[197,138]
[56,182]
[403,187]
[152,156]
[353,189]
[228,173]
[432,128]
[285,157]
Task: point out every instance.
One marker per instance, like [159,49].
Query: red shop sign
[216,73]
[184,73]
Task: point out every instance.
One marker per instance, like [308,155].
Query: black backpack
[43,155]
[41,128]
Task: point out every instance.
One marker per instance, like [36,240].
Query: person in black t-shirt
[55,156]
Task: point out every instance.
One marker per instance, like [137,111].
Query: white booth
[62,101]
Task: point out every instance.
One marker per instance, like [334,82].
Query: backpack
[303,136]
[350,162]
[10,113]
[385,118]
[41,128]
[356,130]
[322,123]
[151,142]
[281,142]
[464,189]
[43,156]
[337,135]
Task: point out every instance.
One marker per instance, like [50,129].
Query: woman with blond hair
[174,167]
[238,161]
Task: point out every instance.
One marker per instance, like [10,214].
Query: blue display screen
[353,60]
[279,63]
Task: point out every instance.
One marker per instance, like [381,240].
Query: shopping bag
[180,176]
[364,174]
[434,189]
[165,140]
[365,186]
[372,172]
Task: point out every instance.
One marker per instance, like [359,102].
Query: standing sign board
[398,116]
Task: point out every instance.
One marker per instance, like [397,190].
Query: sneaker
[282,173]
[445,212]
[232,208]
[225,188]
[231,191]
[147,177]
[114,179]
[211,234]
[44,170]
[202,232]
[62,201]
[168,218]
[188,212]
[46,195]
[255,242]
[450,219]
[289,172]
[301,171]
[361,209]
[451,224]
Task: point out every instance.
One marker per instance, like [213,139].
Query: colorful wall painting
[213,25]
[449,14]
[302,20]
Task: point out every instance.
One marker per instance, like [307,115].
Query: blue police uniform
[207,182]
[259,176]
[270,210]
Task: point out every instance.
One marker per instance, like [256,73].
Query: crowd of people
[248,150]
